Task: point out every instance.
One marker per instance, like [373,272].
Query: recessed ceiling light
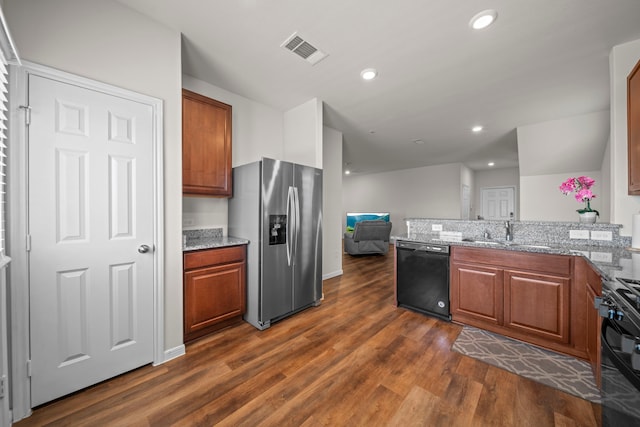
[369,73]
[491,164]
[347,172]
[483,19]
[477,128]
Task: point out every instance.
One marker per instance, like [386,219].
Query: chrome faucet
[509,229]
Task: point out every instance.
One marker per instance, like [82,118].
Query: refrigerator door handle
[289,223]
[296,204]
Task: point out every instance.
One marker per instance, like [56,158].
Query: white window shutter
[8,53]
[3,148]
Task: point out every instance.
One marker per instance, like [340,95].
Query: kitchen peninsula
[532,281]
[601,244]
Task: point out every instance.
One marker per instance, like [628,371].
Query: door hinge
[29,373]
[27,114]
[3,381]
[28,242]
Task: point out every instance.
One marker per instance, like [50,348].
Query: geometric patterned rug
[556,370]
[621,396]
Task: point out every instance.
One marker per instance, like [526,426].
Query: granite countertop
[610,261]
[195,244]
[208,238]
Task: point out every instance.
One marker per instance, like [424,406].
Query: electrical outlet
[601,256]
[436,227]
[579,234]
[601,235]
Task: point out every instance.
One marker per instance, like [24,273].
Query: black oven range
[620,336]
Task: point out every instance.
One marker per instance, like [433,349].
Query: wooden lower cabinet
[526,296]
[592,287]
[478,293]
[593,334]
[537,304]
[214,289]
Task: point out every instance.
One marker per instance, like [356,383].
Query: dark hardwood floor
[356,360]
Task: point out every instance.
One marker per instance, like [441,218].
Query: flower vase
[588,217]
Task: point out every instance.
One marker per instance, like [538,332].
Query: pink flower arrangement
[582,187]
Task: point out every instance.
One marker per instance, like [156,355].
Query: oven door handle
[625,369]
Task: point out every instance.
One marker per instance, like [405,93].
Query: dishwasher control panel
[419,246]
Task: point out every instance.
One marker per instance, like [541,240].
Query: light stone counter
[612,258]
[208,238]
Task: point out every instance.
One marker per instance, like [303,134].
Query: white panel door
[90,211]
[498,203]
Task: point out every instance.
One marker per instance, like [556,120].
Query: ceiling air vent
[303,48]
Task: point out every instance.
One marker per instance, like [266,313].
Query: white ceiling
[541,60]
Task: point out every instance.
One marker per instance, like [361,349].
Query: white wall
[256,132]
[332,203]
[507,177]
[204,212]
[466,178]
[104,40]
[605,188]
[303,134]
[541,199]
[564,145]
[549,153]
[621,61]
[427,192]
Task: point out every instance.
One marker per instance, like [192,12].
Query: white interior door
[90,211]
[498,203]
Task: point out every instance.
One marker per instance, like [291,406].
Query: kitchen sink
[532,246]
[483,242]
[505,243]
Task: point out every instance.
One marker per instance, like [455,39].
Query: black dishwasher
[423,278]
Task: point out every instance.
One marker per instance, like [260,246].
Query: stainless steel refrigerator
[277,205]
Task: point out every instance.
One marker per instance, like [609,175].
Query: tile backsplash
[543,232]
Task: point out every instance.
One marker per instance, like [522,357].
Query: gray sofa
[368,237]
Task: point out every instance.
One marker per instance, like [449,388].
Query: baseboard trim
[332,274]
[172,353]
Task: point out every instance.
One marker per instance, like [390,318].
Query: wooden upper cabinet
[206,146]
[633,125]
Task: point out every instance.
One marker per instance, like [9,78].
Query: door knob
[143,249]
